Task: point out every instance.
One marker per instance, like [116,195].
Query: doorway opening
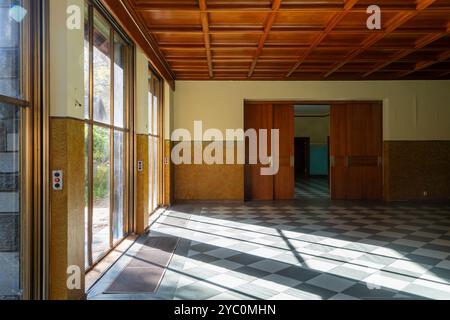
[344,161]
[312,151]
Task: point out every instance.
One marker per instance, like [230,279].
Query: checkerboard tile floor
[312,188]
[304,250]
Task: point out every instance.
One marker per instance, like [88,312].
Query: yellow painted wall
[315,128]
[413,110]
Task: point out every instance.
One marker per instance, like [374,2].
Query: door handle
[292,161]
[348,162]
[333,161]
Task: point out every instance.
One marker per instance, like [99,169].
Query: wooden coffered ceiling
[297,40]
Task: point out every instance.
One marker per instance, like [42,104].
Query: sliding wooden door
[257,186]
[284,181]
[280,186]
[338,152]
[356,151]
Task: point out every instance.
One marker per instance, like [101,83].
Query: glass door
[15,141]
[155,142]
[107,132]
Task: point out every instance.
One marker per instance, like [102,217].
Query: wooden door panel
[284,181]
[372,183]
[356,151]
[338,152]
[354,183]
[257,186]
[357,133]
[373,172]
[338,178]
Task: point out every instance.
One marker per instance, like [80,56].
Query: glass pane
[86,63]
[10,265]
[102,71]
[119,186]
[101,188]
[13,18]
[155,108]
[86,192]
[150,113]
[119,81]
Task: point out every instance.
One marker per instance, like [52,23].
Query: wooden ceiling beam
[422,42]
[237,29]
[395,23]
[231,7]
[348,5]
[425,64]
[444,74]
[205,26]
[267,28]
[235,46]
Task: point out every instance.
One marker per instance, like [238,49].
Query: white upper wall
[168,110]
[142,102]
[66,62]
[67,73]
[413,110]
[141,93]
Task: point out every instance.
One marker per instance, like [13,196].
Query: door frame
[333,102]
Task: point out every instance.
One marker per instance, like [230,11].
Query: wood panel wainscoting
[142,184]
[417,170]
[67,209]
[204,182]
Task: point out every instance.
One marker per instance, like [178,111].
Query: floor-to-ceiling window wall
[155,142]
[107,60]
[16,107]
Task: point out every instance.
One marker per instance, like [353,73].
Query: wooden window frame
[33,137]
[155,78]
[94,8]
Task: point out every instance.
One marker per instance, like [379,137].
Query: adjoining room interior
[312,151]
[119,180]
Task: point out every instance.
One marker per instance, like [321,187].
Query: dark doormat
[146,270]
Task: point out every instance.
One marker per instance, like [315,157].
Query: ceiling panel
[298,39]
